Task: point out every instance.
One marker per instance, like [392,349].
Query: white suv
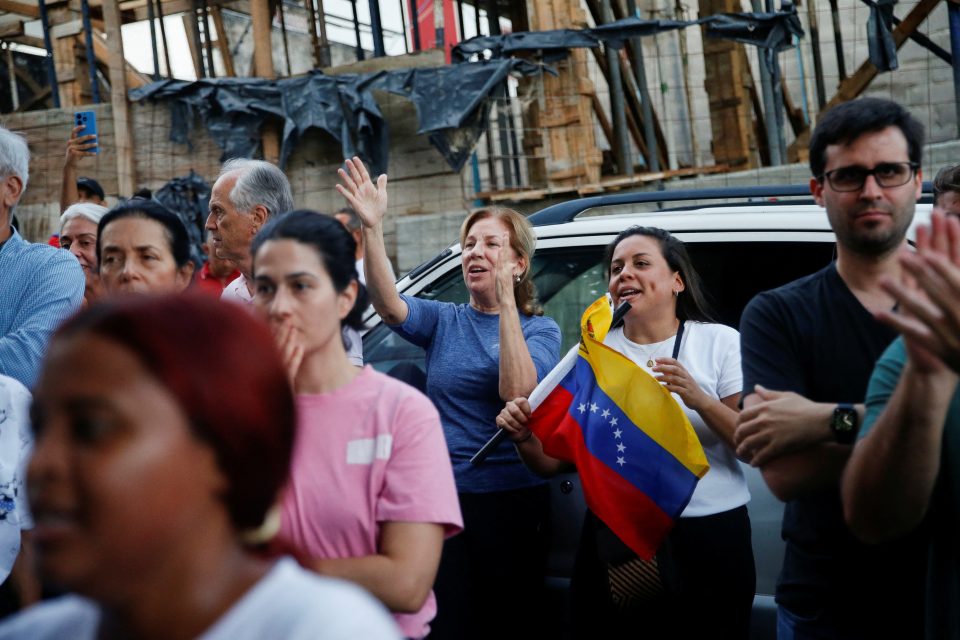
[741,240]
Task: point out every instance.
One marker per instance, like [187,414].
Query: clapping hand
[930,296]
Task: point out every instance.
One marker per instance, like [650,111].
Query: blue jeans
[791,626]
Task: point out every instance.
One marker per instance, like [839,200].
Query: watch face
[844,424]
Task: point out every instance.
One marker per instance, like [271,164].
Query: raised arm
[77,147]
[369,200]
[518,373]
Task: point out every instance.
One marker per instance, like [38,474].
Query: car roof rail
[567,211]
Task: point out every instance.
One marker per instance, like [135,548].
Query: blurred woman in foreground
[153,463]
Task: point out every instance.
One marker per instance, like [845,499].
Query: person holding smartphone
[83,143]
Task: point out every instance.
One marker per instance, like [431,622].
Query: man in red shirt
[216,272]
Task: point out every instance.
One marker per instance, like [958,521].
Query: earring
[517,278]
[676,294]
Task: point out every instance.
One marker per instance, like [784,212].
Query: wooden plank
[854,85]
[122,122]
[222,43]
[189,25]
[262,18]
[11,30]
[20,8]
[135,79]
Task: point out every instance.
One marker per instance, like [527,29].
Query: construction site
[463,105]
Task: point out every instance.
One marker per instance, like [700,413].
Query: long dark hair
[691,302]
[332,242]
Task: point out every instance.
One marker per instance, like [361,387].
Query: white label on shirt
[364,451]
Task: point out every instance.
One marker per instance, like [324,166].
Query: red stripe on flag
[629,513]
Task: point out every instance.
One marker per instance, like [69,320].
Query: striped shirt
[40,287]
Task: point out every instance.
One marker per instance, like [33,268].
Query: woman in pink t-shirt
[371,494]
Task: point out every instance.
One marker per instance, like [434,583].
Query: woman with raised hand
[371,494]
[160,448]
[143,247]
[478,355]
[706,567]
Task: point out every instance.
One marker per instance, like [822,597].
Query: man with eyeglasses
[808,350]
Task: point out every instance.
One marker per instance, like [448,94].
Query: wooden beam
[262,18]
[20,8]
[189,24]
[101,52]
[122,122]
[222,43]
[11,30]
[853,86]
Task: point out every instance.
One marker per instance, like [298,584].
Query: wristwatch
[844,423]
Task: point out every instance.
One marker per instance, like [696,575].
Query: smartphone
[87,120]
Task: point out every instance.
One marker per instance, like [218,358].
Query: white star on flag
[621,447]
[621,461]
[616,434]
[605,413]
[613,421]
[593,407]
[582,408]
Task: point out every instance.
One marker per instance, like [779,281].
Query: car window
[569,279]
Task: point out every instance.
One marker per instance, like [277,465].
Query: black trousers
[714,577]
[491,578]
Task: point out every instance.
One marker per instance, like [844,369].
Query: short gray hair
[259,183]
[14,156]
[88,210]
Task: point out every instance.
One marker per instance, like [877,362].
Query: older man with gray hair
[247,194]
[39,286]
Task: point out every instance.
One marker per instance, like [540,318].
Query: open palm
[369,200]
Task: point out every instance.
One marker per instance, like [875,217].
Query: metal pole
[153,39]
[12,77]
[769,103]
[615,83]
[415,23]
[815,49]
[208,41]
[356,29]
[640,75]
[502,102]
[198,45]
[776,81]
[51,69]
[91,58]
[953,11]
[283,33]
[403,28]
[314,39]
[325,60]
[377,29]
[163,37]
[439,41]
[838,40]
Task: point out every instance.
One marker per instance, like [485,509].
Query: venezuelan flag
[637,454]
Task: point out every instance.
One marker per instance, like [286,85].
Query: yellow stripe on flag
[648,405]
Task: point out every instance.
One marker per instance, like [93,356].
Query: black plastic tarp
[189,197]
[450,103]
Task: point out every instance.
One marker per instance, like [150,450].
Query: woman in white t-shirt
[371,495]
[152,467]
[706,566]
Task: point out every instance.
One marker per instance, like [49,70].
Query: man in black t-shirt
[808,351]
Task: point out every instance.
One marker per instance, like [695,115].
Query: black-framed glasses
[887,174]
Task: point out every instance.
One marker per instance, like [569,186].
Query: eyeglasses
[887,174]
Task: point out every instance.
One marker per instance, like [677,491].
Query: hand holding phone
[88,121]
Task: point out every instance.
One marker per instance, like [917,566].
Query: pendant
[650,363]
